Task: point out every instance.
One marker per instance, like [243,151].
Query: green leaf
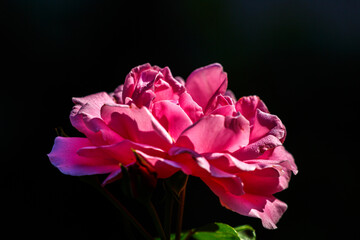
[215,231]
[218,231]
[246,232]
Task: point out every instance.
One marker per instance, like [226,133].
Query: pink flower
[197,127]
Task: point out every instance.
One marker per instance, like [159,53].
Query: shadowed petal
[267,208]
[64,156]
[85,117]
[163,167]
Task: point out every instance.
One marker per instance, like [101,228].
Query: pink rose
[197,127]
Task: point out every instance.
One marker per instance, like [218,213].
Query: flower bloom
[196,126]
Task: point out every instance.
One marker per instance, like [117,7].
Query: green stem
[156,220]
[125,213]
[181,211]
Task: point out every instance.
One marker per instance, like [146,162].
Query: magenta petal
[118,94]
[122,152]
[247,106]
[273,171]
[267,124]
[172,117]
[280,153]
[216,133]
[261,182]
[64,156]
[267,208]
[228,163]
[190,107]
[193,163]
[256,149]
[166,86]
[131,80]
[227,110]
[113,176]
[90,105]
[205,82]
[85,117]
[136,124]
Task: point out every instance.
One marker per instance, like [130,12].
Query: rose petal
[262,182]
[118,94]
[267,208]
[247,106]
[136,124]
[216,133]
[218,102]
[228,163]
[190,107]
[131,80]
[256,149]
[172,117]
[64,156]
[146,84]
[205,82]
[113,176]
[280,153]
[122,151]
[257,180]
[267,124]
[167,87]
[85,117]
[279,160]
[193,163]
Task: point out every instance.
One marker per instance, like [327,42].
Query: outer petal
[262,182]
[123,152]
[206,82]
[216,133]
[64,156]
[136,124]
[262,122]
[256,149]
[285,166]
[85,117]
[267,124]
[172,117]
[267,208]
[280,154]
[263,179]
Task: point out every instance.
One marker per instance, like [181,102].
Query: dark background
[301,57]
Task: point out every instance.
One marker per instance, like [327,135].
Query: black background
[300,57]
